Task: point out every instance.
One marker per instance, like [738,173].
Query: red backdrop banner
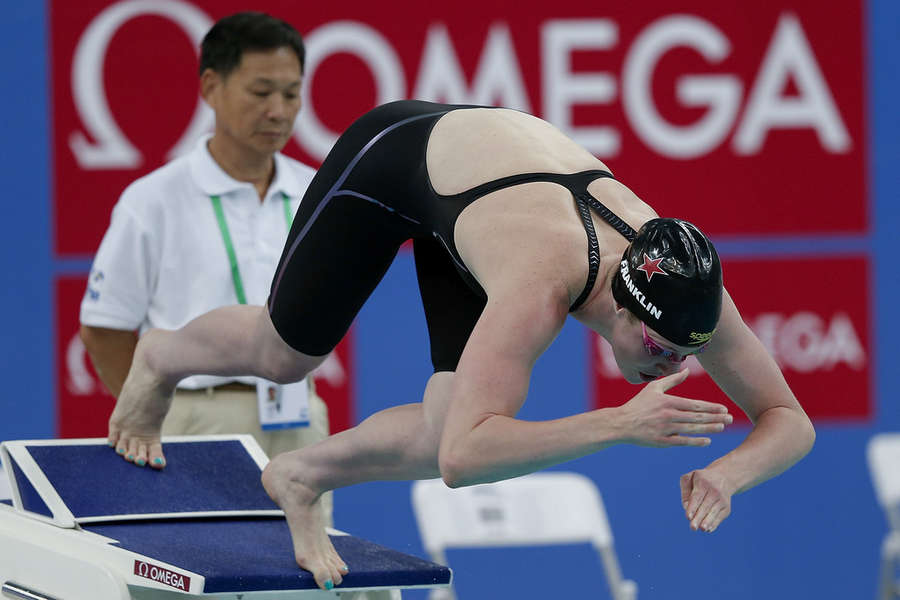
[745,119]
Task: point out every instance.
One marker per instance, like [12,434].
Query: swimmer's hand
[706,498]
[658,419]
[136,423]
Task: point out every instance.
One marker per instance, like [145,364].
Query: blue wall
[25,246]
[813,533]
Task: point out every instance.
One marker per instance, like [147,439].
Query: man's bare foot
[136,422]
[313,550]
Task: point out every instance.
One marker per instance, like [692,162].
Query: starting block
[83,524]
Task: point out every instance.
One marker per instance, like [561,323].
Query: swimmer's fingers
[706,497]
[715,517]
[664,384]
[696,406]
[685,440]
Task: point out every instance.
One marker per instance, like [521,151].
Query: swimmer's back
[469,147]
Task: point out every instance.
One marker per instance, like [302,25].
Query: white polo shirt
[163,260]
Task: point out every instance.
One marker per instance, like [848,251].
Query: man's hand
[655,418]
[706,498]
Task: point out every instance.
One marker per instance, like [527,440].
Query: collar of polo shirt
[214,181]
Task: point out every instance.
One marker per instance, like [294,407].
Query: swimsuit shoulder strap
[577,184]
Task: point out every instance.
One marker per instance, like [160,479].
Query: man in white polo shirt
[207,230]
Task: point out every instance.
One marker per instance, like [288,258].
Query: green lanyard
[229,246]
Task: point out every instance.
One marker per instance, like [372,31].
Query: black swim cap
[670,277]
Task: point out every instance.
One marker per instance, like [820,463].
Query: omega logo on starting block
[170,578]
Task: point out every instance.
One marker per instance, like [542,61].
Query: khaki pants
[229,410]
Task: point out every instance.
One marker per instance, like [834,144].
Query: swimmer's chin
[635,376]
[632,377]
[638,378]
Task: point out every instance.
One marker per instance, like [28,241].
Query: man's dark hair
[225,44]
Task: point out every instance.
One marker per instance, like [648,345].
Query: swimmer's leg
[232,340]
[399,443]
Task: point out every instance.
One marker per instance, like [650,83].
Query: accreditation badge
[282,406]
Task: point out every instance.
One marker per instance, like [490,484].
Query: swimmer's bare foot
[302,508]
[136,422]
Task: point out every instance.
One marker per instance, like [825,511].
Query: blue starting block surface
[245,555]
[206,513]
[86,481]
[200,477]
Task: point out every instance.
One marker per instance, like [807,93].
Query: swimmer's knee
[283,364]
[278,361]
[295,367]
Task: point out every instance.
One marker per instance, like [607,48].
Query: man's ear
[210,82]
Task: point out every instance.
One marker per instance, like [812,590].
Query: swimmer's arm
[782,434]
[482,441]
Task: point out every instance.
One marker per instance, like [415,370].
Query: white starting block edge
[63,517]
[69,563]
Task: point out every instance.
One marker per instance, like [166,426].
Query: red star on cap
[651,266]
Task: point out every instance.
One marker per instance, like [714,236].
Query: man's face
[257,103]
